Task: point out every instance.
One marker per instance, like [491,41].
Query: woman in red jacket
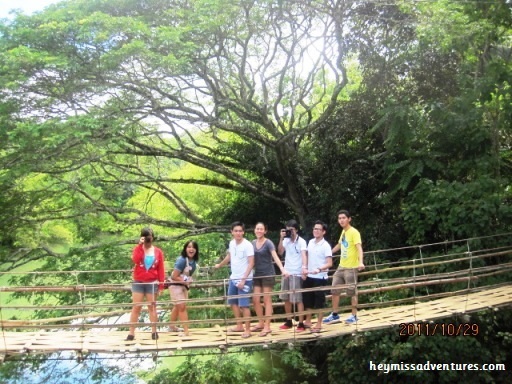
[148,280]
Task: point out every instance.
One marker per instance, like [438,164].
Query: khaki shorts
[290,283]
[345,276]
[179,293]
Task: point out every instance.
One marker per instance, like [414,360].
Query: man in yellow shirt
[351,262]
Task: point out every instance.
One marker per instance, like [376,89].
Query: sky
[27,6]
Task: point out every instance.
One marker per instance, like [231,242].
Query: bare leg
[307,320]
[354,303]
[137,299]
[319,318]
[236,313]
[153,317]
[300,308]
[288,309]
[267,301]
[183,316]
[174,314]
[256,301]
[246,312]
[335,303]
[177,312]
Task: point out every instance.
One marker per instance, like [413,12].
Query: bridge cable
[225,312]
[3,329]
[470,274]
[81,300]
[423,267]
[375,264]
[414,284]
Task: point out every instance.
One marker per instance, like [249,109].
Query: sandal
[265,332]
[315,330]
[246,335]
[130,338]
[256,328]
[235,329]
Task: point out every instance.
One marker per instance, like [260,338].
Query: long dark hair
[196,246]
[148,235]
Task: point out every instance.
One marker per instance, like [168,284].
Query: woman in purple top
[264,277]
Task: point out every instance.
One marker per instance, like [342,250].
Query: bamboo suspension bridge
[427,283]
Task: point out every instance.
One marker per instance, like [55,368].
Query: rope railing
[364,288]
[367,254]
[204,269]
[422,278]
[221,283]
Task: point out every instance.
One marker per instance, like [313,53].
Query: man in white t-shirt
[295,264]
[319,262]
[241,255]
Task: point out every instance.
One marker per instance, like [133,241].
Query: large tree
[124,89]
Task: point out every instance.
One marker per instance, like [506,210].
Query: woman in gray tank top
[264,277]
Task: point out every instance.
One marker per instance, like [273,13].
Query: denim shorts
[233,290]
[149,288]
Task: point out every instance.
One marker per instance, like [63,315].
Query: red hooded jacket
[157,270]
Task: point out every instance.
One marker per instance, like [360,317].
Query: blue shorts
[233,290]
[149,288]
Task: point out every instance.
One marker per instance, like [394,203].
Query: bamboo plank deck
[112,341]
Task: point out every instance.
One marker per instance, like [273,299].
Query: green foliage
[75,269]
[120,92]
[446,207]
[34,369]
[186,115]
[13,370]
[222,369]
[254,365]
[444,130]
[351,357]
[299,368]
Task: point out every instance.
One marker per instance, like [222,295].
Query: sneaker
[352,319]
[331,319]
[300,328]
[287,325]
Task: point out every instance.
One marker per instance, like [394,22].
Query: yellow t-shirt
[348,240]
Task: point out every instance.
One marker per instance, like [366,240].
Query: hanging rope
[81,299]
[375,265]
[3,329]
[414,287]
[423,267]
[225,312]
[470,273]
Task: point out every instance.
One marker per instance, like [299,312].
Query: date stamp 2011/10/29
[441,329]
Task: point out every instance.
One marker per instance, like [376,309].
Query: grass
[8,299]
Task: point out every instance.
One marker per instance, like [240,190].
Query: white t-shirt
[293,257]
[239,254]
[317,255]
